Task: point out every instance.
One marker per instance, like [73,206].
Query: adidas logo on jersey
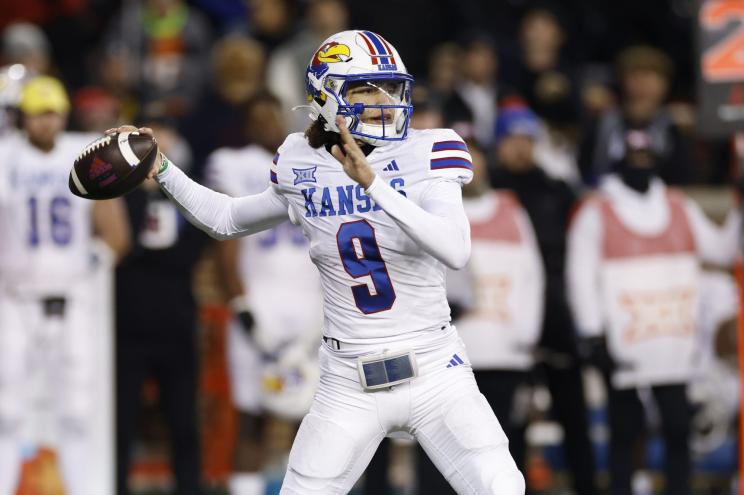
[391,167]
[455,361]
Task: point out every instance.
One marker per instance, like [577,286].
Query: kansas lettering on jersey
[282,283]
[46,230]
[377,283]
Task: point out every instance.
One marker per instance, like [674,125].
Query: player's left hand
[352,157]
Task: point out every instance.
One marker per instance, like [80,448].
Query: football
[113,165]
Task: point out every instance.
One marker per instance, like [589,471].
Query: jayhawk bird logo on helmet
[328,53]
[353,58]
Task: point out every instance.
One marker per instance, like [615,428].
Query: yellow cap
[44,94]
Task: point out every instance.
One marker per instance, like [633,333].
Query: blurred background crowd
[591,86]
[192,61]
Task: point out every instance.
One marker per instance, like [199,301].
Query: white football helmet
[365,58]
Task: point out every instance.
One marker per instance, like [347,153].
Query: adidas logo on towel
[455,361]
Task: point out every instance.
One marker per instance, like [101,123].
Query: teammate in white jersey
[381,205]
[272,285]
[45,264]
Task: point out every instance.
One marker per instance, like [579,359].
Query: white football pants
[26,338]
[442,408]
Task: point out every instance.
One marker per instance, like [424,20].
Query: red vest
[618,241]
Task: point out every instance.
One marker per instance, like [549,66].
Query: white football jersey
[378,284]
[281,281]
[45,229]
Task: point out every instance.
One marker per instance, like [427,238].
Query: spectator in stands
[95,109]
[547,79]
[633,275]
[112,72]
[287,64]
[238,64]
[271,22]
[543,74]
[26,44]
[156,325]
[166,43]
[477,88]
[428,114]
[644,74]
[443,77]
[549,203]
[444,65]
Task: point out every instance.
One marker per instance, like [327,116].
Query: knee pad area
[322,452]
[473,424]
[508,483]
[493,472]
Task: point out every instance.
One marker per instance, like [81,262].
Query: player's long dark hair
[317,136]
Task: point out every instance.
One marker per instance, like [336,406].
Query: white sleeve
[439,225]
[715,245]
[449,157]
[582,271]
[219,215]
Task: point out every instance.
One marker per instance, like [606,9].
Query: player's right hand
[352,157]
[142,130]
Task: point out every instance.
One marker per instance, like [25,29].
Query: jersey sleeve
[217,214]
[276,172]
[439,225]
[449,157]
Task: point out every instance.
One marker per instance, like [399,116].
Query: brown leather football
[113,165]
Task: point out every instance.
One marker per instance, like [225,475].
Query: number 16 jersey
[378,284]
[45,229]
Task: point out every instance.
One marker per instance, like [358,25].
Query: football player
[45,262]
[381,205]
[272,286]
